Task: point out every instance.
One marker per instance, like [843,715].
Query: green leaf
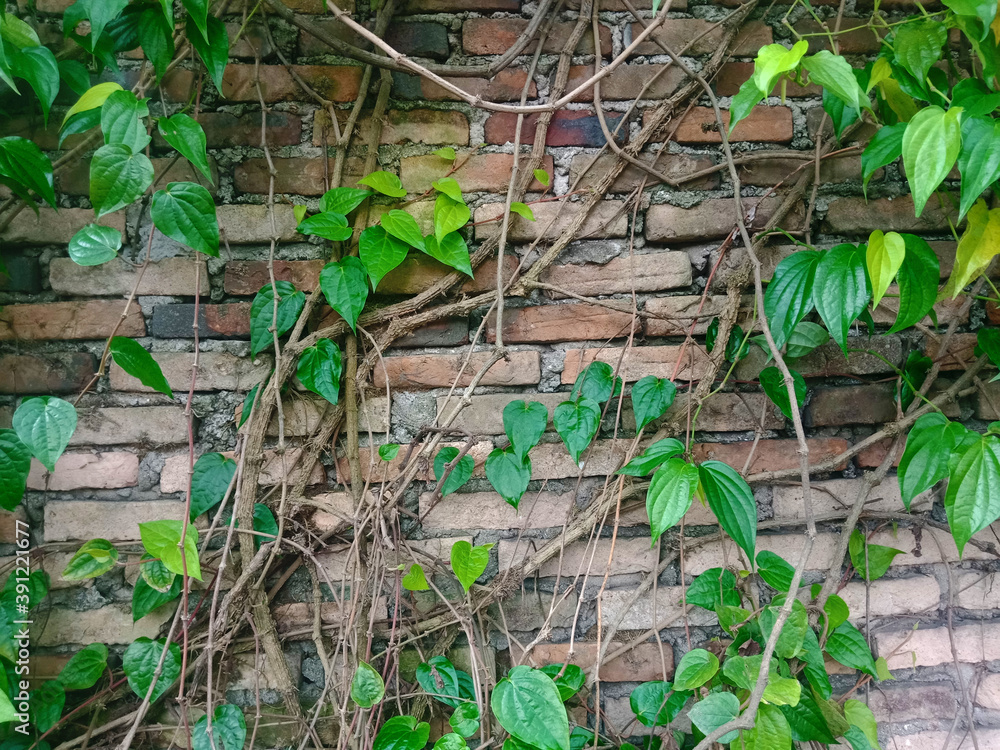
[806,722]
[526,703]
[669,496]
[742,671]
[974,97]
[979,159]
[917,46]
[773,383]
[775,570]
[847,645]
[451,250]
[448,154]
[345,286]
[212,46]
[782,691]
[265,523]
[162,539]
[459,475]
[743,103]
[45,424]
[715,710]
[17,33]
[878,560]
[882,667]
[15,463]
[523,210]
[509,473]
[450,741]
[568,678]
[186,136]
[773,61]
[656,703]
[380,252]
[38,66]
[449,215]
[93,245]
[653,456]
[465,719]
[85,668]
[597,382]
[468,562]
[577,422]
[841,290]
[525,423]
[793,632]
[146,599]
[713,587]
[931,144]
[24,167]
[415,580]
[249,401]
[770,732]
[329,226]
[117,177]
[299,212]
[47,705]
[857,713]
[884,257]
[972,501]
[229,729]
[402,733]
[387,184]
[806,337]
[263,315]
[343,200]
[319,370]
[732,502]
[156,574]
[696,667]
[388,451]
[651,397]
[789,296]
[80,123]
[93,559]
[140,661]
[542,176]
[121,121]
[93,98]
[925,458]
[185,212]
[439,678]
[137,362]
[835,75]
[156,37]
[449,186]
[976,248]
[883,149]
[918,282]
[212,476]
[367,687]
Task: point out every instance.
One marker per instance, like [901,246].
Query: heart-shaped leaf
[345,286]
[468,562]
[45,424]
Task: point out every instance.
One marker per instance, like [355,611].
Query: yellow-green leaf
[976,247]
[93,98]
[931,144]
[884,257]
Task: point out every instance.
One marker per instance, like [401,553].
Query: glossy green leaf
[468,562]
[367,686]
[45,424]
[264,316]
[212,46]
[15,463]
[669,496]
[770,732]
[229,730]
[974,97]
[696,667]
[773,383]
[319,370]
[387,184]
[47,704]
[653,456]
[38,66]
[597,382]
[93,98]
[925,459]
[448,154]
[577,422]
[156,574]
[146,599]
[656,703]
[815,666]
[917,46]
[871,561]
[972,501]
[805,337]
[523,210]
[79,124]
[979,159]
[569,678]
[402,733]
[449,186]
[93,245]
[342,200]
[847,645]
[883,149]
[841,291]
[543,177]
[465,719]
[775,570]
[156,37]
[713,587]
[388,451]
[789,295]
[459,475]
[732,502]
[85,668]
[122,122]
[329,226]
[931,144]
[773,61]
[651,397]
[449,215]
[264,522]
[24,167]
[404,227]
[918,282]
[793,632]
[452,250]
[509,473]
[884,257]
[345,286]
[186,136]
[782,691]
[806,722]
[129,355]
[450,741]
[835,75]
[439,678]
[16,32]
[526,703]
[743,103]
[415,580]
[524,422]
[185,212]
[212,476]
[162,539]
[93,559]
[140,662]
[117,177]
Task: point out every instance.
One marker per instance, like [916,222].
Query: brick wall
[127,461]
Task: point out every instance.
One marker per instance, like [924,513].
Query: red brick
[768,172]
[114,425]
[494,36]
[75,471]
[299,175]
[402,126]
[475,173]
[674,166]
[338,83]
[440,370]
[311,46]
[75,179]
[727,412]
[46,373]
[675,315]
[453,6]
[224,130]
[646,272]
[628,82]
[855,404]
[763,124]
[217,371]
[245,277]
[318,6]
[858,216]
[874,455]
[248,40]
[505,86]
[693,37]
[174,476]
[53,227]
[732,75]
[639,362]
[92,319]
[569,322]
[170,276]
[9,526]
[228,320]
[960,350]
[850,40]
[770,455]
[419,272]
[574,127]
[711,218]
[606,219]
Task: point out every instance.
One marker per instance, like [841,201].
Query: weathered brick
[769,455]
[649,611]
[892,596]
[251,225]
[475,172]
[485,510]
[633,555]
[574,321]
[419,272]
[118,521]
[338,83]
[23,275]
[960,350]
[858,216]
[569,127]
[116,425]
[248,40]
[928,740]
[441,370]
[225,130]
[987,402]
[170,276]
[711,218]
[838,496]
[375,469]
[763,124]
[675,315]
[988,694]
[246,277]
[479,416]
[646,272]
[74,471]
[697,37]
[494,36]
[531,610]
[318,6]
[552,461]
[608,219]
[627,82]
[46,373]
[91,319]
[643,662]
[919,549]
[674,166]
[340,563]
[732,75]
[700,559]
[505,86]
[727,412]
[401,126]
[869,357]
[977,590]
[419,39]
[639,362]
[53,227]
[928,647]
[768,172]
[75,179]
[448,332]
[874,455]
[225,321]
[299,175]
[850,41]
[174,476]
[217,371]
[452,6]
[9,524]
[303,414]
[946,310]
[110,625]
[855,404]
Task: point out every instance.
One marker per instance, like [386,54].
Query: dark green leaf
[979,159]
[773,383]
[23,167]
[459,475]
[871,561]
[117,177]
[468,562]
[451,250]
[185,212]
[669,495]
[918,282]
[320,368]
[156,574]
[264,316]
[526,703]
[972,501]
[329,226]
[840,114]
[509,473]
[146,599]
[342,200]
[770,732]
[656,703]
[15,463]
[925,459]
[597,382]
[93,245]
[776,572]
[45,424]
[789,296]
[85,668]
[251,399]
[806,721]
[805,338]
[380,252]
[388,451]
[139,363]
[841,290]
[713,587]
[569,678]
[156,37]
[465,719]
[793,632]
[229,729]
[847,645]
[577,422]
[439,678]
[212,46]
[122,121]
[917,46]
[212,475]
[367,686]
[93,559]
[140,661]
[732,502]
[884,148]
[652,457]
[47,705]
[186,136]
[524,422]
[974,97]
[402,733]
[651,397]
[264,522]
[38,66]
[345,286]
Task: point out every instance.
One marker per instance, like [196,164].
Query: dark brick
[505,86]
[568,128]
[419,39]
[225,321]
[46,373]
[23,275]
[856,404]
[494,36]
[223,130]
[450,332]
